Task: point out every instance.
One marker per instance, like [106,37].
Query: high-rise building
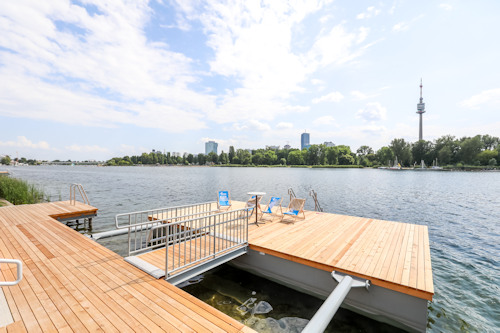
[329,144]
[210,146]
[420,111]
[304,141]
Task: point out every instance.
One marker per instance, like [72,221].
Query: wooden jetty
[71,283]
[390,254]
[394,257]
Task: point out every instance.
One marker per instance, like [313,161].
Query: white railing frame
[139,223]
[214,229]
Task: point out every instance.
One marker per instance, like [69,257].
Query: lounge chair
[294,209]
[273,202]
[224,200]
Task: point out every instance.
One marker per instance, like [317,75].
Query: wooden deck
[392,255]
[72,283]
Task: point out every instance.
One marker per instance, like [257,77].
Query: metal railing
[291,193]
[19,276]
[314,195]
[147,229]
[201,239]
[72,194]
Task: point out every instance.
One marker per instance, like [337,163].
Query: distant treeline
[481,150]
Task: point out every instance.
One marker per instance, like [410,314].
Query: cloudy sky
[94,79]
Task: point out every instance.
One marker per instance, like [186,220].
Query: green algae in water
[266,306]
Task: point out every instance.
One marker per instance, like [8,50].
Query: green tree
[282,161]
[345,157]
[385,156]
[445,155]
[6,160]
[202,159]
[213,157]
[223,158]
[231,154]
[402,150]
[332,155]
[270,157]
[190,158]
[490,142]
[470,148]
[295,158]
[423,150]
[244,156]
[364,150]
[258,158]
[485,156]
[312,156]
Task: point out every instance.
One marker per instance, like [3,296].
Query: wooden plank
[73,283]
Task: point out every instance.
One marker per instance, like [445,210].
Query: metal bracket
[356,283]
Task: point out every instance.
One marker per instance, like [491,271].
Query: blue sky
[96,79]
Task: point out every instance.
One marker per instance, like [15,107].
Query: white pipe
[324,315]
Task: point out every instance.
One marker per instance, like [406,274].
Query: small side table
[257,206]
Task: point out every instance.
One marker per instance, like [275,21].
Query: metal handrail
[19,265]
[291,193]
[314,195]
[72,194]
[153,212]
[145,228]
[222,232]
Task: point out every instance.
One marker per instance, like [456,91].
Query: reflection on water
[269,307]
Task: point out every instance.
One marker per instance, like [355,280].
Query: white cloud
[361,96]
[446,6]
[488,97]
[372,112]
[23,142]
[96,70]
[252,125]
[370,12]
[336,47]
[401,26]
[284,125]
[334,96]
[325,121]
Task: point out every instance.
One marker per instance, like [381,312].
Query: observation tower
[420,111]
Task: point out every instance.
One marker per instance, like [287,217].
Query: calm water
[461,209]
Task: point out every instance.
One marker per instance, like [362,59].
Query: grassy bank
[18,191]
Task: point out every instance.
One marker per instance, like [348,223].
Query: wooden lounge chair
[274,202]
[294,209]
[224,200]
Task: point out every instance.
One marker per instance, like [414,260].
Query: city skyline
[176,75]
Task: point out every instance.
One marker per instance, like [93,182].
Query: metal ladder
[291,193]
[72,194]
[314,195]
